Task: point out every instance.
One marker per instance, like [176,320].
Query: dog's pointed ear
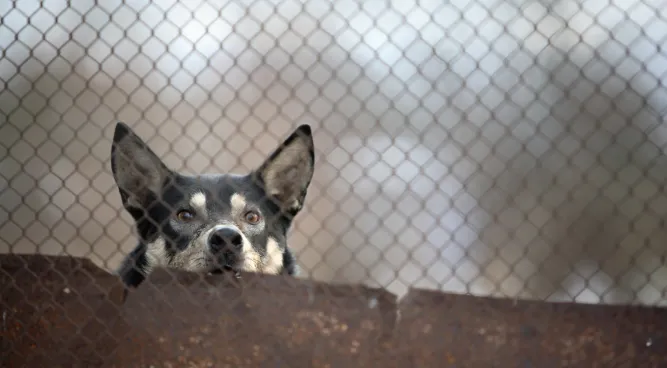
[286,174]
[138,171]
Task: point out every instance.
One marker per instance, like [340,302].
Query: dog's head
[209,222]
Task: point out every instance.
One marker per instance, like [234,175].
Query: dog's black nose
[225,239]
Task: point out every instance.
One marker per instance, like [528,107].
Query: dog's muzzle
[226,244]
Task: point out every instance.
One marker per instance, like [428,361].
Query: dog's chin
[223,269]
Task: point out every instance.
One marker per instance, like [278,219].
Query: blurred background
[503,148]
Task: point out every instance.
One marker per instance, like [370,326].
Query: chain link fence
[502,148]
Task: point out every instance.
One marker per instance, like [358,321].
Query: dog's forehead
[214,190]
[221,182]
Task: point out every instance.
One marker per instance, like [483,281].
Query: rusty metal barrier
[488,182]
[66,312]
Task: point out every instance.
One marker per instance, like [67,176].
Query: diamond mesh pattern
[511,149]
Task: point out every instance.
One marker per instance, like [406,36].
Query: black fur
[132,271]
[289,262]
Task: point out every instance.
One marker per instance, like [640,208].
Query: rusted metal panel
[65,312]
[184,320]
[487,332]
[255,321]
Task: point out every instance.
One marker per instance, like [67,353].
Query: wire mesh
[502,148]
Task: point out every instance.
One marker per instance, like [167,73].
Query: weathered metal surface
[467,331]
[65,312]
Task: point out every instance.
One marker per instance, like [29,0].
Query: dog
[211,223]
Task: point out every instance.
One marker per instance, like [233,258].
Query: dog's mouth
[227,269]
[225,263]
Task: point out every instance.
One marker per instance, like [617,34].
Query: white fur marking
[198,201]
[273,261]
[238,203]
[156,255]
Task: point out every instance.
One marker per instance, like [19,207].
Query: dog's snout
[225,239]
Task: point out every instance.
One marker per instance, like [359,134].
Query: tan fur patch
[273,260]
[156,255]
[251,259]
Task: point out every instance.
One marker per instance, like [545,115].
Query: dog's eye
[252,217]
[185,216]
